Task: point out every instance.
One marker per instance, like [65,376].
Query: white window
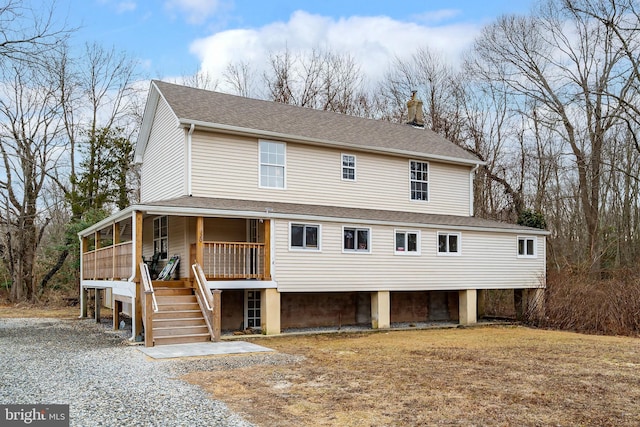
[348,167]
[356,239]
[407,242]
[305,236]
[160,236]
[419,175]
[527,247]
[449,243]
[272,164]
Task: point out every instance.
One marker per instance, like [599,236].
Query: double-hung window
[407,242]
[527,247]
[272,164]
[419,177]
[348,167]
[305,236]
[356,239]
[449,243]
[160,236]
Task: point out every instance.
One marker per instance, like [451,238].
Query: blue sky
[179,37]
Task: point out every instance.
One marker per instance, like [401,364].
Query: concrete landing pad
[202,349]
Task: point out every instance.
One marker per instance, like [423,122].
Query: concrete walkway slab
[202,349]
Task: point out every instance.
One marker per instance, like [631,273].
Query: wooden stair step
[175,299]
[169,323]
[179,331]
[181,339]
[177,306]
[160,292]
[177,314]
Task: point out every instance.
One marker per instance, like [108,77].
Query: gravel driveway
[106,382]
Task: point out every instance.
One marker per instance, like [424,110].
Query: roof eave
[237,130]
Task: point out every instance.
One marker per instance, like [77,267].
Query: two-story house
[300,218]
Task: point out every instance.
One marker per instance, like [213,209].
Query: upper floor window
[527,247]
[419,174]
[305,236]
[348,167]
[356,239]
[160,236]
[449,243]
[407,242]
[272,164]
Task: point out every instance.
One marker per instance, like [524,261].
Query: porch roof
[261,209]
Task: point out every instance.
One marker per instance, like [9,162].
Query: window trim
[305,248]
[343,167]
[158,220]
[448,253]
[283,166]
[356,229]
[535,246]
[428,199]
[417,252]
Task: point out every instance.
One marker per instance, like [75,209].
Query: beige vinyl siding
[163,166]
[227,167]
[488,260]
[177,239]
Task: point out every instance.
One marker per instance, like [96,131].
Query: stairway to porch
[179,319]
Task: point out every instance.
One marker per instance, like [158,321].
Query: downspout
[134,233]
[191,129]
[471,176]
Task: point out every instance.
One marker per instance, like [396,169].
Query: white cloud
[126,6]
[436,16]
[373,41]
[196,11]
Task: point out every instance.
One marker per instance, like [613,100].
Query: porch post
[267,249]
[96,246]
[270,308]
[116,240]
[84,244]
[137,256]
[380,310]
[200,241]
[467,305]
[217,314]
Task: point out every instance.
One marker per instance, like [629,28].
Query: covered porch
[234,253]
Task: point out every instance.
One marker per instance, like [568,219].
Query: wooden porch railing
[232,260]
[110,262]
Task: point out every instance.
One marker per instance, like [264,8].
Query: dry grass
[22,310]
[491,376]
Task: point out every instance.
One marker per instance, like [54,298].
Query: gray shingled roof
[214,109]
[187,203]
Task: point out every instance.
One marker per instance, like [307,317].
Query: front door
[252,308]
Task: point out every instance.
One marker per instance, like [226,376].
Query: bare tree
[31,148]
[568,66]
[239,77]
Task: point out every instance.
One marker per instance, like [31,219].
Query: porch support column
[467,306]
[380,310]
[270,307]
[267,249]
[482,293]
[84,245]
[137,257]
[199,242]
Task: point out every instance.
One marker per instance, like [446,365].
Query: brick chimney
[414,107]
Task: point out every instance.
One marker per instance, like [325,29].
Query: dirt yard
[27,311]
[483,376]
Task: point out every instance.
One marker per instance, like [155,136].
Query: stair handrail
[204,290]
[148,285]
